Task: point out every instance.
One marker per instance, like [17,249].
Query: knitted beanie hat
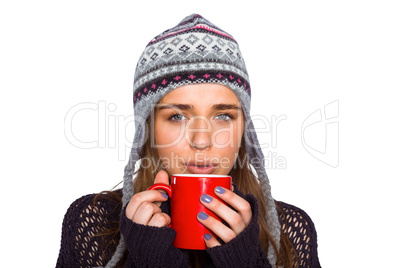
[193,52]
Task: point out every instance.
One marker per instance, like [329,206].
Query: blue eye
[177,117]
[224,117]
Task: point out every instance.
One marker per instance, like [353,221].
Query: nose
[199,133]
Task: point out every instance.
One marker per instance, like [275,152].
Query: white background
[301,56]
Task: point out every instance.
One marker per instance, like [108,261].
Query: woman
[192,114]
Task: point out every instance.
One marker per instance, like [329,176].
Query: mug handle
[162,186]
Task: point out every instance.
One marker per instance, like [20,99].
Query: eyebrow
[191,107]
[174,106]
[226,107]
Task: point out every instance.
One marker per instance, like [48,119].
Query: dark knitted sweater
[153,246]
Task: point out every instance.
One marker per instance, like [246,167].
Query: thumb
[162,177]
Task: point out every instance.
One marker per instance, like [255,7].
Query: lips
[200,167]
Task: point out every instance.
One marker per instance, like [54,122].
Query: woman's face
[198,129]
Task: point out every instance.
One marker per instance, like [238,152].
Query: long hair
[247,183]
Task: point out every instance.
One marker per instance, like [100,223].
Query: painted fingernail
[202,216]
[206,198]
[164,195]
[219,190]
[207,236]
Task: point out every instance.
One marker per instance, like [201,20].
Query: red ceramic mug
[185,192]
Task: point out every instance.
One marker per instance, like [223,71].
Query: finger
[211,241]
[145,212]
[161,177]
[217,227]
[159,220]
[139,198]
[238,203]
[224,212]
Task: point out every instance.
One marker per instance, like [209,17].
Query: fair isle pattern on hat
[193,52]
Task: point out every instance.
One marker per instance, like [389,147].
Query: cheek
[167,136]
[227,137]
[169,142]
[228,158]
[229,151]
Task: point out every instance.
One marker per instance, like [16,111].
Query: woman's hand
[144,207]
[237,221]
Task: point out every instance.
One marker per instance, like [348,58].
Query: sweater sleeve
[80,245]
[300,229]
[245,249]
[150,246]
